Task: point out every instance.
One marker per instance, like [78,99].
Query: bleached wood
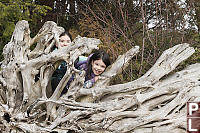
[153,103]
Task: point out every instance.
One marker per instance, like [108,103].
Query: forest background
[154,25]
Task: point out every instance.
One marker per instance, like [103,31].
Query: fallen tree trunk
[156,102]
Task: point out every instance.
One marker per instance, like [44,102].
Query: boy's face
[63,41]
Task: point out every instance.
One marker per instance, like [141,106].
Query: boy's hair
[100,54]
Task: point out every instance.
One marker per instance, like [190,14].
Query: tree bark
[156,102]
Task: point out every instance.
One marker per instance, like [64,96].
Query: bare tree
[153,103]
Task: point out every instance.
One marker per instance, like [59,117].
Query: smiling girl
[65,40]
[94,66]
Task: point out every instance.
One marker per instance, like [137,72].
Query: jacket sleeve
[81,62]
[89,83]
[61,68]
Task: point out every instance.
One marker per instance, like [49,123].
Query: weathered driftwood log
[156,102]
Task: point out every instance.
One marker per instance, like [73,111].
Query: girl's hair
[96,56]
[66,33]
[63,34]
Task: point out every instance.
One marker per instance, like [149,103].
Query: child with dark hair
[61,66]
[64,40]
[94,66]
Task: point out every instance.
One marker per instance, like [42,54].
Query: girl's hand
[96,78]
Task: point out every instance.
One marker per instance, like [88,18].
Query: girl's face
[98,67]
[63,41]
